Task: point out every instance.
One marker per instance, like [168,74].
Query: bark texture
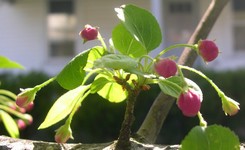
[150,128]
[7,143]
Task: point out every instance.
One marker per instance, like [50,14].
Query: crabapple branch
[158,112]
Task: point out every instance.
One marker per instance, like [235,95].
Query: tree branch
[158,112]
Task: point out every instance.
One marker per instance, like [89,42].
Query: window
[180,20]
[239,24]
[61,28]
[180,7]
[238,5]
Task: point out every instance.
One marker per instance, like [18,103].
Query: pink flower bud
[63,134]
[12,105]
[189,103]
[25,97]
[21,124]
[22,101]
[230,106]
[89,33]
[207,50]
[28,119]
[29,107]
[166,67]
[22,110]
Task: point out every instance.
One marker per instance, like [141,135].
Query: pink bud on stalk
[189,103]
[28,119]
[21,124]
[89,33]
[166,67]
[22,110]
[63,134]
[207,50]
[26,97]
[29,107]
[21,100]
[230,106]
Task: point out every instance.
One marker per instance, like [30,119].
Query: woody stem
[123,142]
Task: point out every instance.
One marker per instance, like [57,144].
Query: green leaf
[98,84]
[112,91]
[8,94]
[173,86]
[177,80]
[63,106]
[6,63]
[213,137]
[73,74]
[191,84]
[94,54]
[9,124]
[170,88]
[126,43]
[141,24]
[116,61]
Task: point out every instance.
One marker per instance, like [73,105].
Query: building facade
[43,34]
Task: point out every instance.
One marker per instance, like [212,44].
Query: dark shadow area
[99,121]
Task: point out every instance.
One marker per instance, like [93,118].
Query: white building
[43,34]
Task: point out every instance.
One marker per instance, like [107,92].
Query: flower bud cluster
[24,103]
[17,114]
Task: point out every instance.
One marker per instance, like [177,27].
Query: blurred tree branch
[158,112]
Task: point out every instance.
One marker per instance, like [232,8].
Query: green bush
[99,120]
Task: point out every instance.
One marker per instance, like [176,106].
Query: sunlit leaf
[94,54]
[98,84]
[112,91]
[63,106]
[214,137]
[126,43]
[73,74]
[9,124]
[142,25]
[6,63]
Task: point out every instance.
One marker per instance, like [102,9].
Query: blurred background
[42,35]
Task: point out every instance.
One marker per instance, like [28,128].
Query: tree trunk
[155,118]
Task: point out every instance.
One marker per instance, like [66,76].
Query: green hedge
[99,121]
